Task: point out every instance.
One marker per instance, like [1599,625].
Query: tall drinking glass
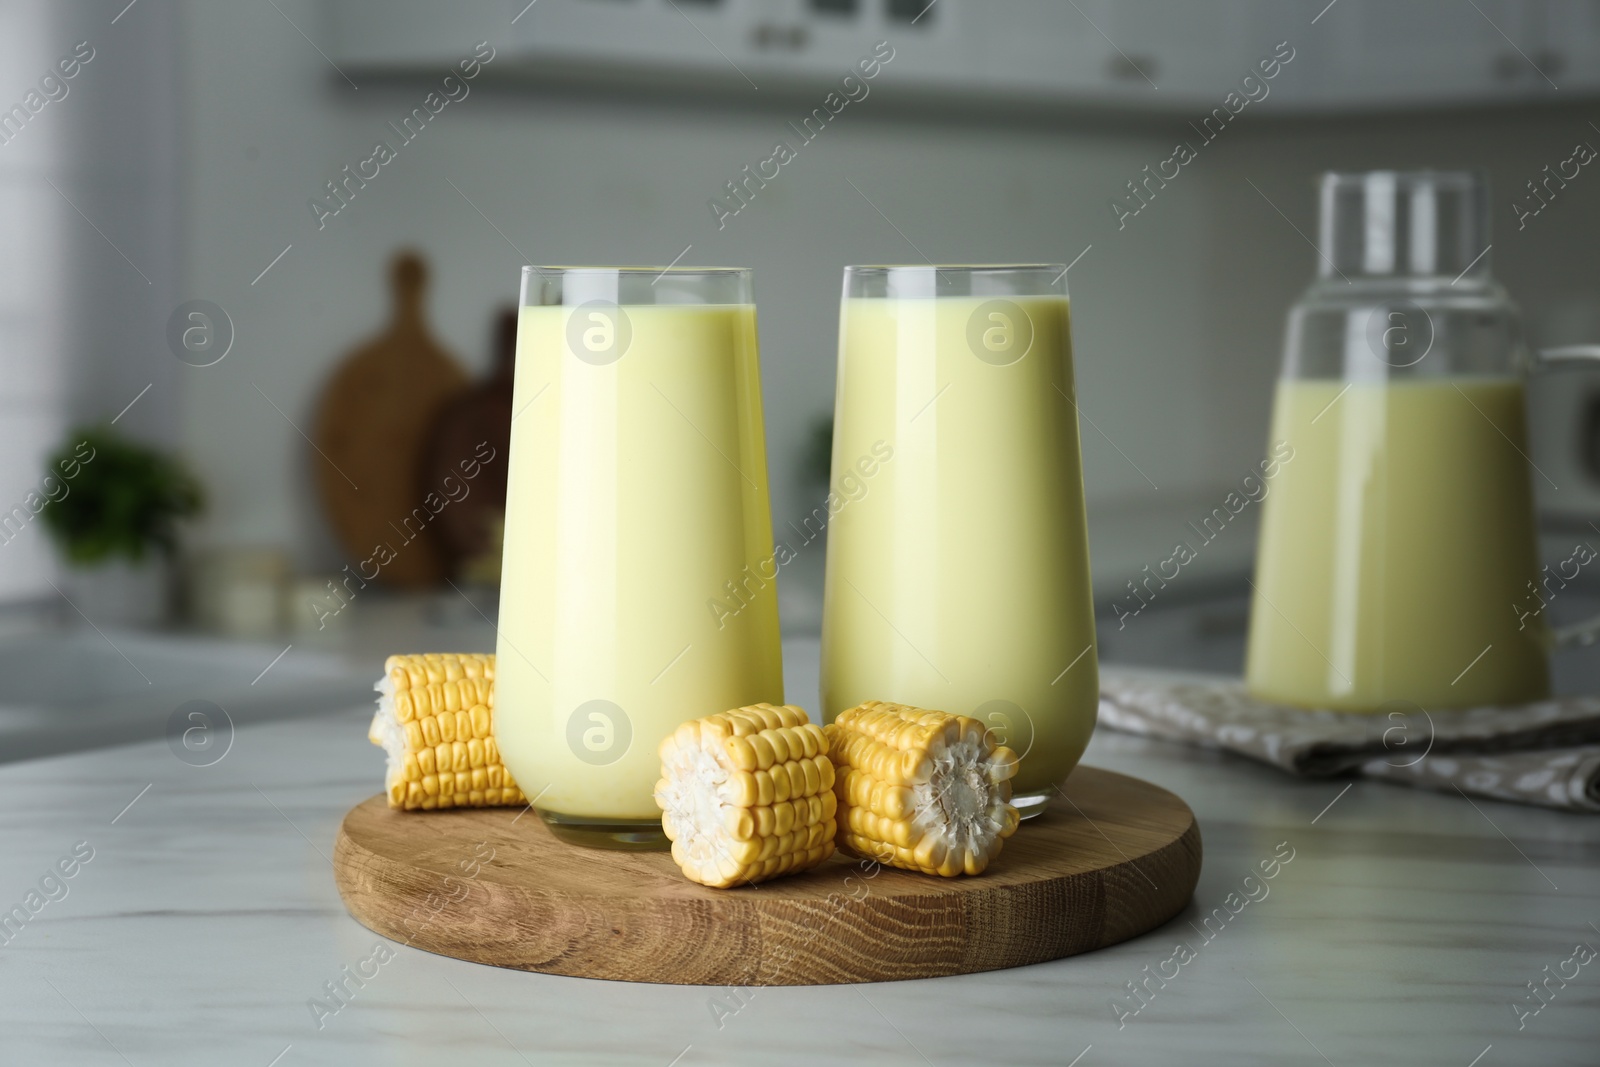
[958,561]
[637,501]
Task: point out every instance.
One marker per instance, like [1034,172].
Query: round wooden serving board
[1113,858]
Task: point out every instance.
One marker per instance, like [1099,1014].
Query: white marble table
[1401,933]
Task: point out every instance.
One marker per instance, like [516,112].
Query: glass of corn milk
[958,562]
[637,497]
[1398,560]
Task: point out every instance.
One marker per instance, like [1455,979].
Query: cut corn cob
[921,790]
[747,795]
[435,721]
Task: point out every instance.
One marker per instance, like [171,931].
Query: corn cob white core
[695,795]
[964,802]
[387,732]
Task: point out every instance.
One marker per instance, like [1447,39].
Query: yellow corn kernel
[435,721]
[922,790]
[747,795]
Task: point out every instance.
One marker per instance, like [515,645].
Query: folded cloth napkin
[1546,753]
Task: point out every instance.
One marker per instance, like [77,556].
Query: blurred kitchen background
[177,172]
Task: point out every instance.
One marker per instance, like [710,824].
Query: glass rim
[708,272]
[954,268]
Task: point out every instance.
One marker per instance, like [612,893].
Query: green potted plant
[116,523]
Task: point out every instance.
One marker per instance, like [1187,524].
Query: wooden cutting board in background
[474,424]
[375,418]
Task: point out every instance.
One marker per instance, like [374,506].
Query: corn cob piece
[921,790]
[747,795]
[435,721]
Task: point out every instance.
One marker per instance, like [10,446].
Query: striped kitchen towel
[1545,753]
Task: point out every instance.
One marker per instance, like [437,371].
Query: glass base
[1030,804]
[626,835]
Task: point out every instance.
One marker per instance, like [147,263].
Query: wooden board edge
[534,915]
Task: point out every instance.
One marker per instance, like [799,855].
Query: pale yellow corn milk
[960,580]
[638,490]
[1396,546]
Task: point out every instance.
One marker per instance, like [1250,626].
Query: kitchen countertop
[1401,932]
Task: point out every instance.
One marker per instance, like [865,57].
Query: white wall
[573,180]
[1177,316]
[87,256]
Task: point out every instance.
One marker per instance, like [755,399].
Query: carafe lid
[1389,223]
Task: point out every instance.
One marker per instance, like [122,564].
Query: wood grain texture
[471,529]
[373,422]
[1113,858]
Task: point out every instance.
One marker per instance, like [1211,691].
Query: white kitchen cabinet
[406,35]
[1196,53]
[1179,57]
[1042,42]
[1571,49]
[1422,53]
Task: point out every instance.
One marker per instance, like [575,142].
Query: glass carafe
[1398,558]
